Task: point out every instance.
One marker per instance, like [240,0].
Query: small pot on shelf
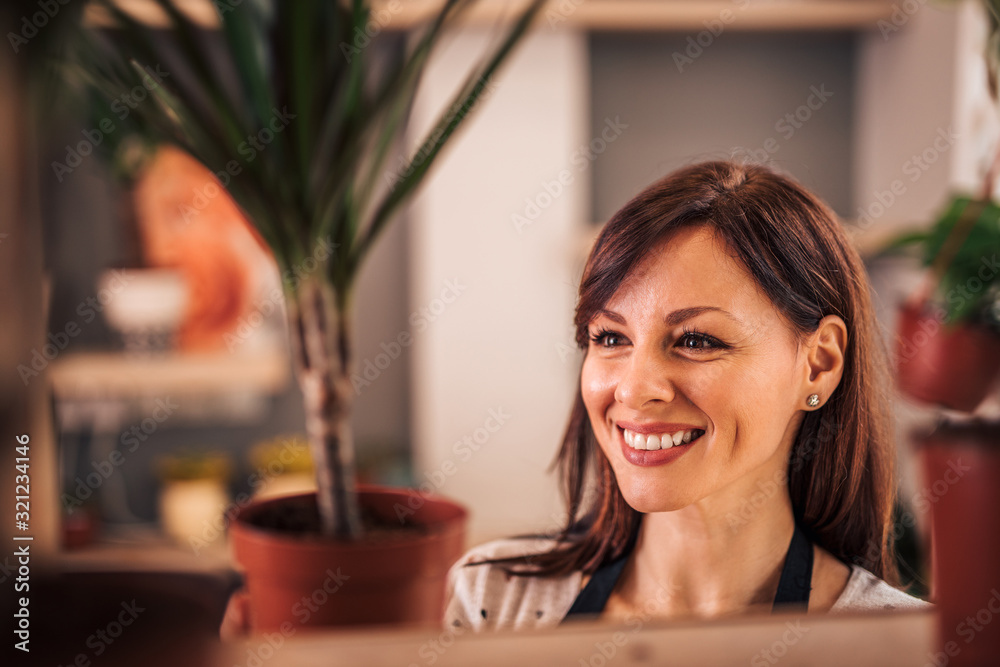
[937,364]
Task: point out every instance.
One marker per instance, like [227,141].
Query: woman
[729,449]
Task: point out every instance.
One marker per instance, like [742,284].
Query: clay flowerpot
[949,366]
[396,574]
[961,464]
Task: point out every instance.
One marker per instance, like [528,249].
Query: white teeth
[654,442]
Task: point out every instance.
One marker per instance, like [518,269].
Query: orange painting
[188,221]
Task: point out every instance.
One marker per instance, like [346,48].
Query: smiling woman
[729,449]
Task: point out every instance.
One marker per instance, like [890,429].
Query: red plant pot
[950,366]
[962,468]
[394,577]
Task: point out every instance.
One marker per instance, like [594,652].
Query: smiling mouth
[656,441]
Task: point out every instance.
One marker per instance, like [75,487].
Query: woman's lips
[656,457]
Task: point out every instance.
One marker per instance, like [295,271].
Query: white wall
[905,99]
[496,345]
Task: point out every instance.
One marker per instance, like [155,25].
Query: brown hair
[841,466]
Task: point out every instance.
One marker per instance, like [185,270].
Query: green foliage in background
[962,248]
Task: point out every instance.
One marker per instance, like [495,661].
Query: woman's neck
[714,558]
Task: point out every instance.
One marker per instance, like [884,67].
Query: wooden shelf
[144,553]
[108,374]
[894,638]
[644,15]
[667,15]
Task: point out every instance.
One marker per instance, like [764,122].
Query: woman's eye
[606,338]
[698,341]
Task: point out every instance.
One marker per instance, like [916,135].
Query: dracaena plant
[322,178]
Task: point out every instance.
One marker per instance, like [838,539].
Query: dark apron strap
[595,594]
[793,586]
[796,575]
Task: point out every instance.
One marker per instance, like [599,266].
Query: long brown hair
[841,467]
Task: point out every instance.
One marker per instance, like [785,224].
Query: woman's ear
[825,351]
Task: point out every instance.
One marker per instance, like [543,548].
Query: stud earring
[813,400]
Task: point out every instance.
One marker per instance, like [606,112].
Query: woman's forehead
[692,268]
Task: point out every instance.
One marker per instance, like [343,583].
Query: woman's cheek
[597,381]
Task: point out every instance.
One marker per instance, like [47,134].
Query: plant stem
[319,333]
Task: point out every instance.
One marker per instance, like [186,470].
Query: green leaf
[250,52]
[438,137]
[902,241]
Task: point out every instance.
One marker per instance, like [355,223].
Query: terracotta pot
[394,577]
[950,366]
[962,485]
[79,528]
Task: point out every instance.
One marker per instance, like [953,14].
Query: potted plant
[948,343]
[300,140]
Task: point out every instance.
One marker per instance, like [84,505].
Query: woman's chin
[654,500]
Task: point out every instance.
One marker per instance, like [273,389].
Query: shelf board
[638,15]
[670,15]
[108,374]
[896,638]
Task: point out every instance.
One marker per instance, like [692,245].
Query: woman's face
[690,346]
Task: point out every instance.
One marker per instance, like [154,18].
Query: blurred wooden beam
[644,15]
[24,403]
[666,15]
[887,638]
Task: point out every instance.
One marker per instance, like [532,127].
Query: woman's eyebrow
[674,318]
[678,316]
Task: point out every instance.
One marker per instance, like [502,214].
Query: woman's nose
[644,377]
